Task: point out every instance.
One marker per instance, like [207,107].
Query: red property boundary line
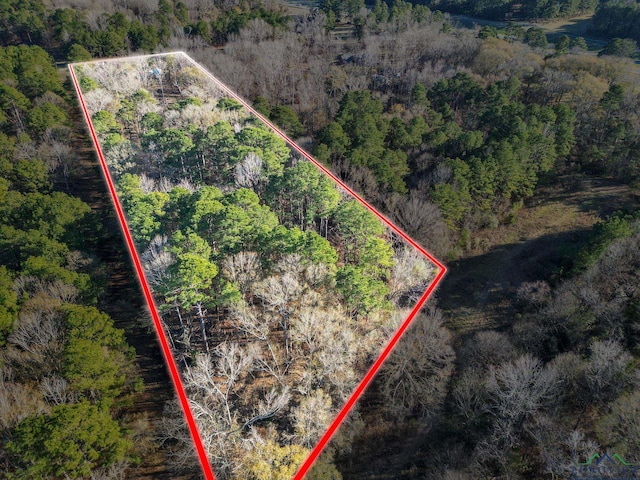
[175,375]
[166,350]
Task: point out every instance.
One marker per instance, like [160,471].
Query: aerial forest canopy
[477,142]
[494,157]
[144,26]
[614,18]
[278,289]
[65,370]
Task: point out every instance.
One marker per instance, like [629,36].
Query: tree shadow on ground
[488,283]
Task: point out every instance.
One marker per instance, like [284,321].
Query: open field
[478,292]
[572,27]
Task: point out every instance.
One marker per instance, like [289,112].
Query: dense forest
[457,135]
[79,30]
[617,19]
[448,147]
[278,290]
[66,373]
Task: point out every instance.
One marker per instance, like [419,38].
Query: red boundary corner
[171,364]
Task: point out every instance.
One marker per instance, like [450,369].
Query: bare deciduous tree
[122,81]
[312,417]
[487,348]
[469,395]
[420,218]
[174,436]
[37,332]
[517,390]
[116,471]
[410,276]
[99,99]
[156,260]
[309,330]
[620,428]
[605,372]
[243,269]
[249,172]
[558,448]
[56,390]
[533,295]
[17,402]
[415,376]
[279,294]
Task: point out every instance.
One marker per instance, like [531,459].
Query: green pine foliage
[143,209]
[33,22]
[48,280]
[360,292]
[364,137]
[617,19]
[69,442]
[620,47]
[495,145]
[8,304]
[604,233]
[302,195]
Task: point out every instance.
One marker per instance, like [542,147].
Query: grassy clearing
[574,26]
[479,290]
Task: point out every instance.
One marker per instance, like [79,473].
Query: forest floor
[478,292]
[123,301]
